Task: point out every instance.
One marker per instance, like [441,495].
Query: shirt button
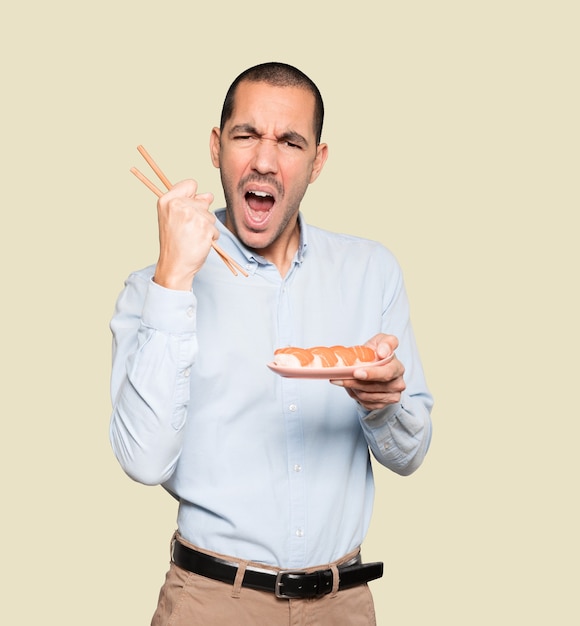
[299,532]
[187,372]
[190,311]
[297,468]
[292,408]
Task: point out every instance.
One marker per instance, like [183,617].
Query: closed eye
[291,145]
[293,140]
[245,133]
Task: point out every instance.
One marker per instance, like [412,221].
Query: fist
[186,233]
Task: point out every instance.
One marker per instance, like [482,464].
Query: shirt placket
[291,412]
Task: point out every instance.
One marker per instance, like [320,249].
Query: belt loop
[335,579]
[239,579]
[171,545]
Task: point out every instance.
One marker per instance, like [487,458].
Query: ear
[214,146]
[319,161]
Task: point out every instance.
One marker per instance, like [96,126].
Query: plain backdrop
[454,135]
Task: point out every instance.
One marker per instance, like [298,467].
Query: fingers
[373,394]
[377,386]
[205,197]
[383,344]
[183,204]
[186,232]
[374,401]
[185,190]
[381,373]
[182,189]
[388,376]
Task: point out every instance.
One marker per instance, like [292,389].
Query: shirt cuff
[379,417]
[169,310]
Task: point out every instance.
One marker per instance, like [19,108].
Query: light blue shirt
[265,468]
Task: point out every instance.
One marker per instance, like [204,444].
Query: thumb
[205,197]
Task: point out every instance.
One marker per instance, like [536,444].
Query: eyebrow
[290,136]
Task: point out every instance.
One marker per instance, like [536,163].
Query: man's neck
[282,252]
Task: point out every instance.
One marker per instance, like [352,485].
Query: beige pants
[188,599]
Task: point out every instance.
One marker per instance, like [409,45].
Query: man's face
[267,155]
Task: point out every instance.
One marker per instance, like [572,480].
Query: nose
[265,158]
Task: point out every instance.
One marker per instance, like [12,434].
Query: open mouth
[259,200]
[259,205]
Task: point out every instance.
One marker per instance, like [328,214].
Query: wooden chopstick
[154,167]
[227,260]
[147,182]
[232,265]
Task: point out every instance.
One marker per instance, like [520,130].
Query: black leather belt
[285,584]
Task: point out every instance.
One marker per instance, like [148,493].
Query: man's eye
[289,144]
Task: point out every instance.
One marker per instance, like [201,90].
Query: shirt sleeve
[154,346]
[399,435]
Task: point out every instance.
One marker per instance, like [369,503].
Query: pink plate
[334,373]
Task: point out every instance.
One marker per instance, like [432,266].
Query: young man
[272,474]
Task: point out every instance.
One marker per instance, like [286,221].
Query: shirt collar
[250,255]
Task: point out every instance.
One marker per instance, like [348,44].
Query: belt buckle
[279,583]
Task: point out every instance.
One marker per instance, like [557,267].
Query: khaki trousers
[188,599]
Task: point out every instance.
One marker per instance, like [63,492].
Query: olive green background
[454,135]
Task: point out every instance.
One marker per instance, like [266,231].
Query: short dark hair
[278,75]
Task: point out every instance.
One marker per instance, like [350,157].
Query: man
[271,473]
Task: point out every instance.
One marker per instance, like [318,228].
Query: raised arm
[154,340]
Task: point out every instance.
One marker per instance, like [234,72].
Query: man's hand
[186,232]
[376,387]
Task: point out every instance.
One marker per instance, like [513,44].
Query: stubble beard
[290,212]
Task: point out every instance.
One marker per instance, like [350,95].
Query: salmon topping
[321,356]
[303,356]
[327,356]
